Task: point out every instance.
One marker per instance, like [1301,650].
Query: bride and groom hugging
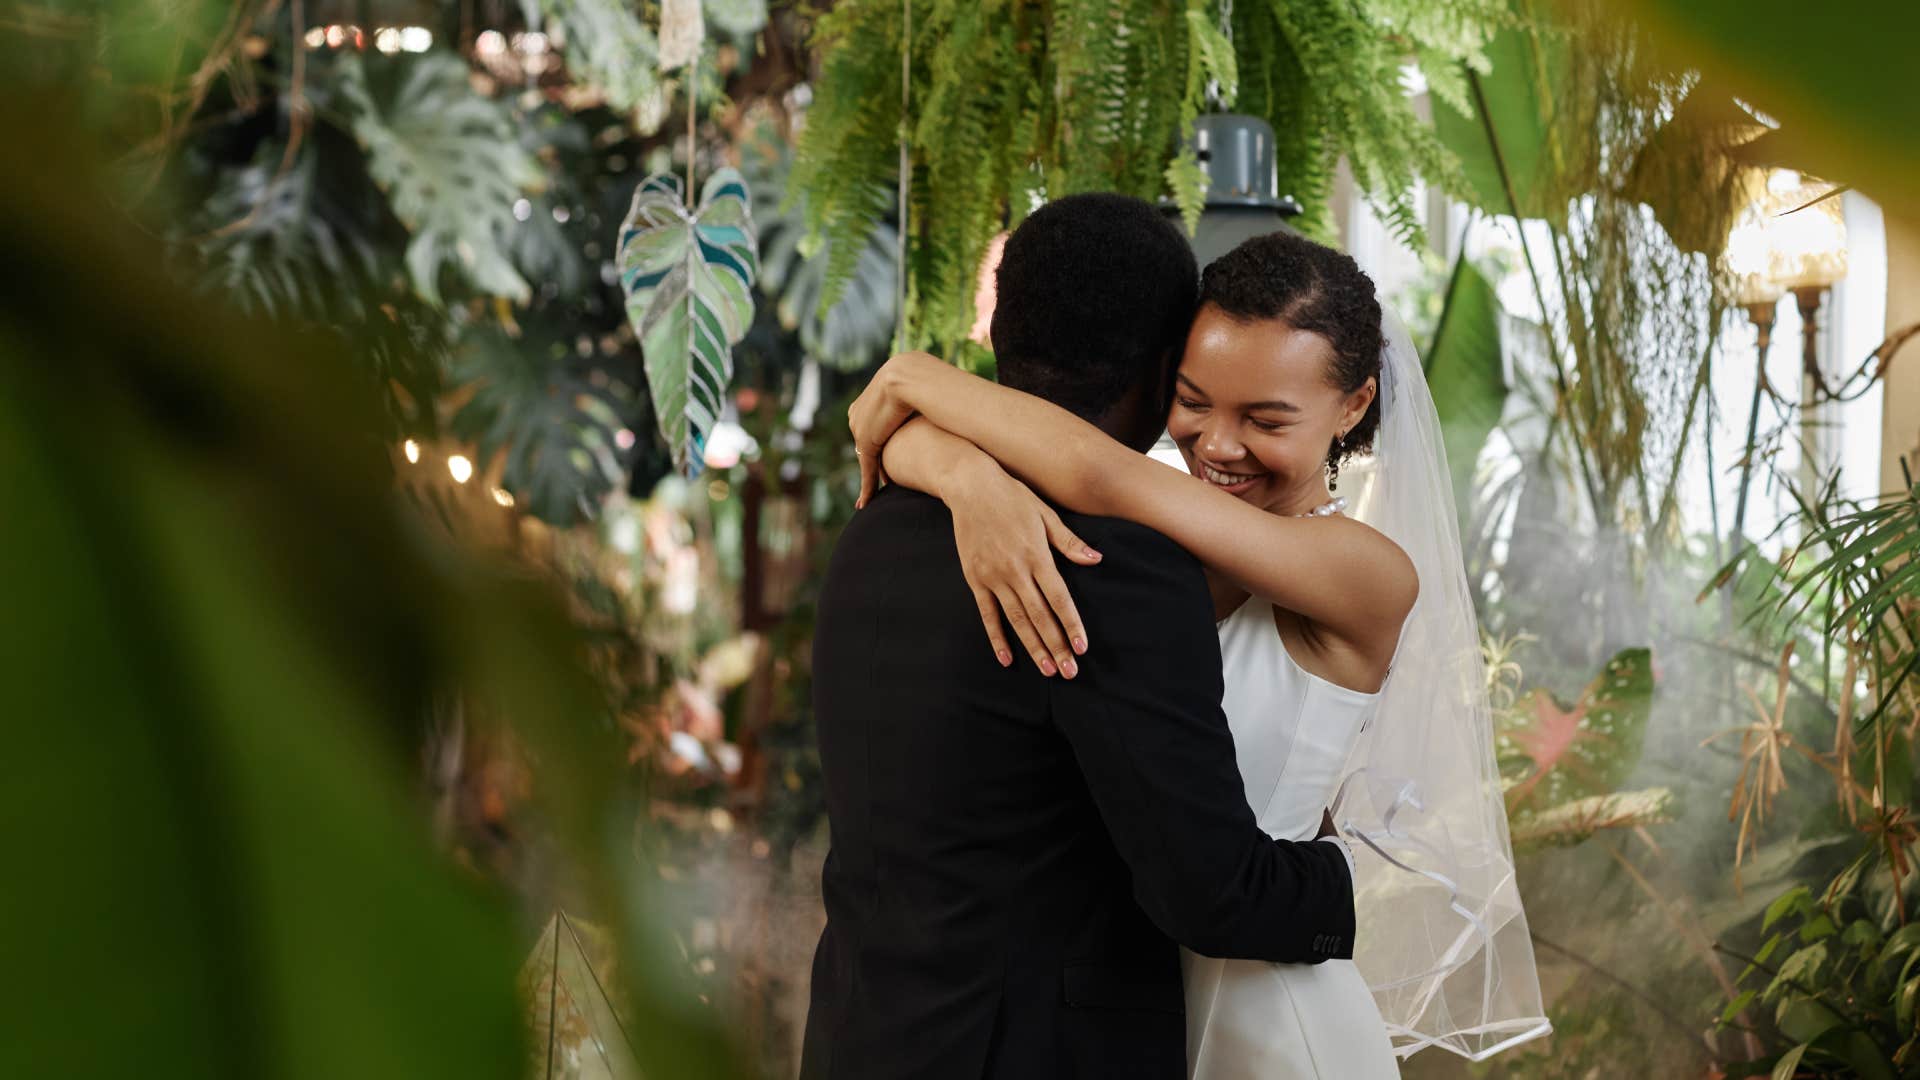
[1114,857]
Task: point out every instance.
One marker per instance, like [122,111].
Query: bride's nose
[1217,441]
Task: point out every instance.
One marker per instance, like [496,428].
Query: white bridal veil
[1442,940]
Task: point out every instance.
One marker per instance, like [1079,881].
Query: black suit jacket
[1013,857]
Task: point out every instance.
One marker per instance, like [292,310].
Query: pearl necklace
[1327,509]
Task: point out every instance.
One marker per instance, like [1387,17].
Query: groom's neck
[1136,419]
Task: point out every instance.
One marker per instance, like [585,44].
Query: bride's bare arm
[1006,536]
[1334,571]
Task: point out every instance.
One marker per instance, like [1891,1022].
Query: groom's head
[1094,297]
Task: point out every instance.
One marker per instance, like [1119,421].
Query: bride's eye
[1268,426]
[1188,403]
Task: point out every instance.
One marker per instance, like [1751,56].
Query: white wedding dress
[1294,734]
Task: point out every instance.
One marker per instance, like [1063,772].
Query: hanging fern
[1013,101]
[855,331]
[1210,63]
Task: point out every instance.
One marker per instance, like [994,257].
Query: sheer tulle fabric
[1442,940]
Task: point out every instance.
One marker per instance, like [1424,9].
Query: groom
[1015,857]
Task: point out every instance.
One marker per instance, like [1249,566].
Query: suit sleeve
[1146,727]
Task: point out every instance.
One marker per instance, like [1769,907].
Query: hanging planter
[688,278]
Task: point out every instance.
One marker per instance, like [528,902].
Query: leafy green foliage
[1573,125]
[1500,123]
[1343,90]
[606,44]
[448,160]
[245,886]
[1854,577]
[553,415]
[1467,371]
[1011,103]
[689,284]
[1551,754]
[848,335]
[314,246]
[1836,86]
[1211,65]
[1843,985]
[1577,820]
[737,17]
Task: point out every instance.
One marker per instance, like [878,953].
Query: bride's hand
[879,411]
[1006,537]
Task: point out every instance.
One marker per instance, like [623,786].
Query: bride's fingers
[1061,602]
[1024,629]
[1054,638]
[990,618]
[1065,542]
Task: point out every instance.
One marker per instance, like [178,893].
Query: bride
[1352,670]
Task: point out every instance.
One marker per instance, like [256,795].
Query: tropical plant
[427,206]
[1006,103]
[1843,983]
[1466,367]
[688,276]
[1834,91]
[251,632]
[1612,177]
[850,334]
[448,162]
[1853,572]
[1562,767]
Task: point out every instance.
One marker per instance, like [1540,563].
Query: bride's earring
[1333,461]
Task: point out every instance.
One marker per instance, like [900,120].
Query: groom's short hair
[1092,293]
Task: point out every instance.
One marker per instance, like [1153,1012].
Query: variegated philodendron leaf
[1550,754]
[689,284]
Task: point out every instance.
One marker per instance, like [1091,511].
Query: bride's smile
[1233,482]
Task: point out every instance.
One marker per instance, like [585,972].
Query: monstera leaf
[556,424]
[689,284]
[448,161]
[1551,755]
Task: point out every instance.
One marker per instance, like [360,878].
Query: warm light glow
[1809,242]
[503,496]
[412,450]
[1780,242]
[387,39]
[461,468]
[1750,261]
[316,37]
[416,39]
[490,43]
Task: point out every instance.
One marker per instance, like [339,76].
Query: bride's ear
[1358,402]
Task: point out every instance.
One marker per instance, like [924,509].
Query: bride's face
[1254,412]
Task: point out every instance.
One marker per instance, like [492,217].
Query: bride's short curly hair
[1310,287]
